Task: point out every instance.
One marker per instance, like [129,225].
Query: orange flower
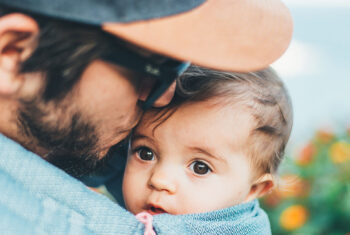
[306,155]
[324,136]
[294,217]
[339,152]
[293,186]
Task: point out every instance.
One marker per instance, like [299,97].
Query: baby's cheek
[134,187]
[130,195]
[199,201]
[218,197]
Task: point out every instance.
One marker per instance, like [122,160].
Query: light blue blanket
[38,198]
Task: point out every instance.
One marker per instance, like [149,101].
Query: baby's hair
[262,93]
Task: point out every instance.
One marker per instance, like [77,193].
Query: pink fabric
[146,219]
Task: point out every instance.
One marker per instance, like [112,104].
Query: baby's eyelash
[200,167]
[144,153]
[137,148]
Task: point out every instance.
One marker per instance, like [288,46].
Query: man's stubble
[70,141]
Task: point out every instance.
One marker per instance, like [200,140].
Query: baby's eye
[200,168]
[145,153]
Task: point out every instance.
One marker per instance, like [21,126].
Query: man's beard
[71,147]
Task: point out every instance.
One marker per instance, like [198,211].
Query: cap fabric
[236,35]
[96,12]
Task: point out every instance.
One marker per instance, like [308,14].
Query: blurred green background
[313,193]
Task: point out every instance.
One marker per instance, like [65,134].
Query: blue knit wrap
[38,198]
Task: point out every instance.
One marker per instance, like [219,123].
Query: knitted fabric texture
[38,198]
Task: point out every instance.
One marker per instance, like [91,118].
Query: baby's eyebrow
[207,152]
[137,136]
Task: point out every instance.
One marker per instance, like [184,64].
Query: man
[75,77]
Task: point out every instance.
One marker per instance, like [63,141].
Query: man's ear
[18,33]
[260,187]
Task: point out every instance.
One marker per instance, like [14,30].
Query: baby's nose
[163,179]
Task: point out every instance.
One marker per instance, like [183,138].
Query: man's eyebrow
[134,123]
[118,132]
[122,131]
[208,153]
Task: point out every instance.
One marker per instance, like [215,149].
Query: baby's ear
[260,187]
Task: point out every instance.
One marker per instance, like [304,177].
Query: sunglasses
[161,68]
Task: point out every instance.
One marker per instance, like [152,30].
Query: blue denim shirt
[38,198]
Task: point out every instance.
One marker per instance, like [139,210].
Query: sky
[316,66]
[317,3]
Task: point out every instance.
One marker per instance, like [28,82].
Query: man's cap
[234,35]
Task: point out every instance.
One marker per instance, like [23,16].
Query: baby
[217,145]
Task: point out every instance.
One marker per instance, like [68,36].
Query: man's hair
[261,92]
[64,50]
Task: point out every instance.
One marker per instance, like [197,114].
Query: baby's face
[193,162]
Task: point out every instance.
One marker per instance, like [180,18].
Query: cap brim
[240,35]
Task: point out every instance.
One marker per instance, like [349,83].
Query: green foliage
[318,180]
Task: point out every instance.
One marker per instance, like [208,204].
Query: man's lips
[154,209]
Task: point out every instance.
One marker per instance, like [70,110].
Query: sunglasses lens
[164,69]
[164,82]
[156,92]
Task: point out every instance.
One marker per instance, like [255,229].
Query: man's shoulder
[23,212]
[36,195]
[26,207]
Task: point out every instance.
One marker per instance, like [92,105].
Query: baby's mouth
[155,210]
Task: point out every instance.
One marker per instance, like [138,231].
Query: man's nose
[163,178]
[163,100]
